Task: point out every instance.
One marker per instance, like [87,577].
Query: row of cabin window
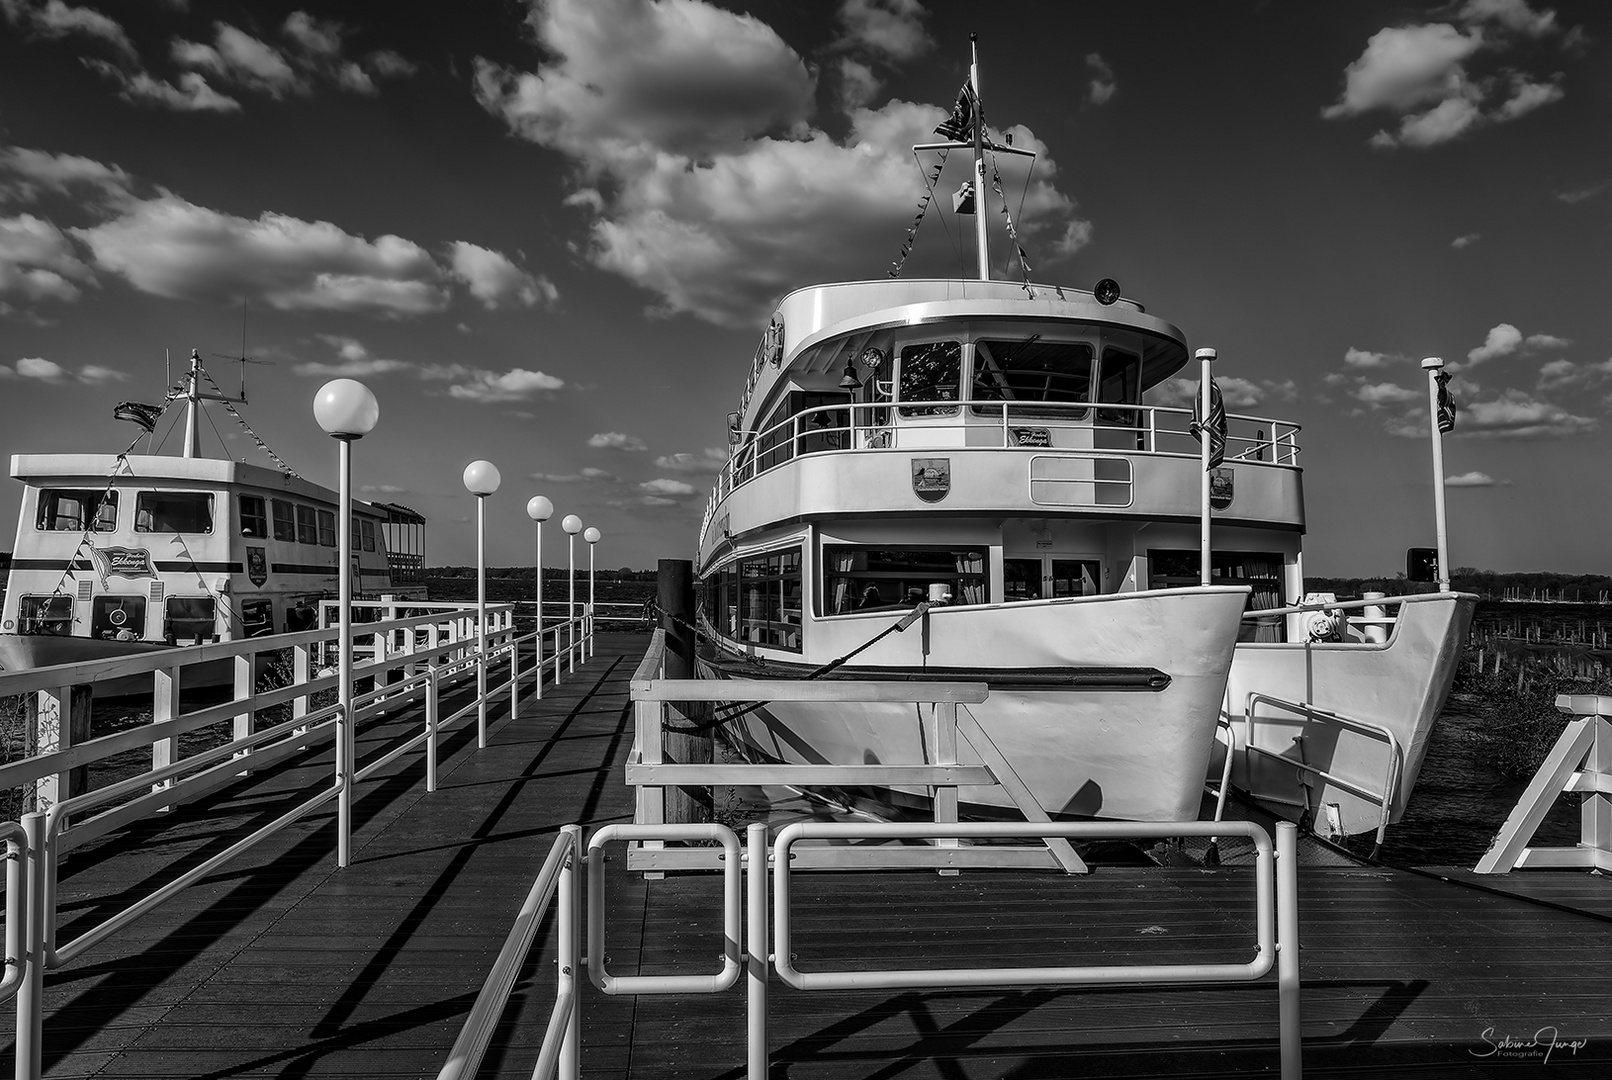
[298,523]
[67,510]
[186,619]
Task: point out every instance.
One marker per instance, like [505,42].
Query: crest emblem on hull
[1222,488]
[931,478]
[257,565]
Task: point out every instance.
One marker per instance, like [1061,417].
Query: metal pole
[1205,569]
[1433,365]
[1287,950]
[571,605]
[346,742]
[593,647]
[31,993]
[981,242]
[539,691]
[570,953]
[756,945]
[481,622]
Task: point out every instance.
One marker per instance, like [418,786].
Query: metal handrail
[17,892]
[557,877]
[1364,727]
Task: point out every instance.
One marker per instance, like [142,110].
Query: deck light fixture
[539,509]
[347,410]
[1106,291]
[591,535]
[572,525]
[481,480]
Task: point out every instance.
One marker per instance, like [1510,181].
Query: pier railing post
[245,677]
[164,707]
[945,797]
[757,946]
[31,994]
[569,948]
[1287,950]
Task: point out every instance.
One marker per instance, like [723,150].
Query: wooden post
[48,733]
[676,596]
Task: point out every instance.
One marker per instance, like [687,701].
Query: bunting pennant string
[239,419]
[1013,233]
[931,178]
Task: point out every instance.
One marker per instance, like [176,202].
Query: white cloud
[169,247]
[27,174]
[383,489]
[1236,392]
[1578,195]
[892,30]
[1469,479]
[656,500]
[1387,394]
[96,375]
[665,487]
[1101,87]
[192,94]
[1465,241]
[496,281]
[1422,74]
[239,58]
[48,371]
[354,361]
[55,19]
[1503,340]
[37,262]
[490,387]
[600,475]
[706,184]
[1515,414]
[858,83]
[615,440]
[35,367]
[1360,358]
[709,462]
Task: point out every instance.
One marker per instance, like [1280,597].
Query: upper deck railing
[1070,427]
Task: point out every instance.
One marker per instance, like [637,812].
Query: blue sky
[548,233]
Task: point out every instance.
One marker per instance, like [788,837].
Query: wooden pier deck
[284,965]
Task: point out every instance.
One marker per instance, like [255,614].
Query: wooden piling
[687,741]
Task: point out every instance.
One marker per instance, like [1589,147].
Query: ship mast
[981,242]
[194,397]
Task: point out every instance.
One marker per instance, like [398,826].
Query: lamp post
[1434,366]
[481,480]
[347,411]
[539,510]
[572,525]
[592,537]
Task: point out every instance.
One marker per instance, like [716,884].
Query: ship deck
[283,964]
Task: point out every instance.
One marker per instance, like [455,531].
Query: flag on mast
[1216,427]
[138,413]
[959,126]
[1446,403]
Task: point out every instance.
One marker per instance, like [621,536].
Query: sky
[548,233]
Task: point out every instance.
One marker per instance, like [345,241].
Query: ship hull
[26,652]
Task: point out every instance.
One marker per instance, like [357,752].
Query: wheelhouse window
[875,579]
[73,511]
[327,528]
[190,620]
[45,615]
[931,372]
[1033,370]
[1119,382]
[367,531]
[257,618]
[307,528]
[254,517]
[285,521]
[1262,570]
[758,600]
[173,511]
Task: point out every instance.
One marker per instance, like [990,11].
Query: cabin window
[880,579]
[367,529]
[1119,381]
[254,517]
[758,600]
[307,528]
[1029,369]
[45,615]
[1260,569]
[173,511]
[73,511]
[257,618]
[931,372]
[118,618]
[190,620]
[285,521]
[327,528]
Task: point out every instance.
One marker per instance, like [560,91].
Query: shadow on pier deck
[284,965]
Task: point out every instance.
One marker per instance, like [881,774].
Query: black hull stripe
[1043,678]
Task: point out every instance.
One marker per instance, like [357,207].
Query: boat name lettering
[931,478]
[122,561]
[1032,436]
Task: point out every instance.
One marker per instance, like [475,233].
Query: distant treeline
[1585,588]
[500,572]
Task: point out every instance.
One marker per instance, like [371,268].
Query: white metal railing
[1311,714]
[745,904]
[403,669]
[648,770]
[1053,425]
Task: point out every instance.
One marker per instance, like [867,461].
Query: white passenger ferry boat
[118,554]
[975,457]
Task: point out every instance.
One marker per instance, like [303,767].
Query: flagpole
[1433,365]
[1206,357]
[980,240]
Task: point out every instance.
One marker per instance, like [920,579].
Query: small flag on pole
[959,126]
[137,413]
[1446,403]
[1216,425]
